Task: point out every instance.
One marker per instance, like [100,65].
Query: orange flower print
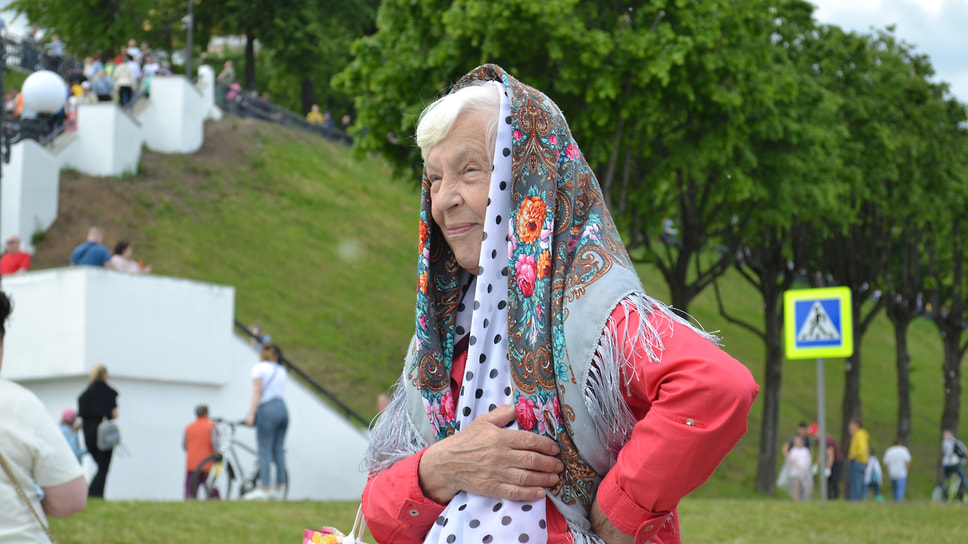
[544,265]
[422,282]
[531,217]
[423,235]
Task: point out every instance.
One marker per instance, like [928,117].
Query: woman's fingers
[487,459]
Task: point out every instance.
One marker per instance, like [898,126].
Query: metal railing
[247,104]
[347,411]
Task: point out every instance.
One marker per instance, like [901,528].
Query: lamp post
[188,39]
[44,92]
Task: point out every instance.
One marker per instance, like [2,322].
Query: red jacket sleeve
[395,507]
[692,406]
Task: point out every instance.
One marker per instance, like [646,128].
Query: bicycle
[224,468]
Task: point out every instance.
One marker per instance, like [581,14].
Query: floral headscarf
[561,240]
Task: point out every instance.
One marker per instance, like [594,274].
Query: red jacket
[692,408]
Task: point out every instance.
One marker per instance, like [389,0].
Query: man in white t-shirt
[897,459]
[39,459]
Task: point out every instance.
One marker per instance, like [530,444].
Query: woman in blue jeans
[268,413]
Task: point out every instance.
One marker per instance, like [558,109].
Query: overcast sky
[938,28]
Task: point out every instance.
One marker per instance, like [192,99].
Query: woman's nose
[449,195]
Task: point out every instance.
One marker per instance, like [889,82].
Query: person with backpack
[99,402]
[874,476]
[953,453]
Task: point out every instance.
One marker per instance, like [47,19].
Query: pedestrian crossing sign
[817,323]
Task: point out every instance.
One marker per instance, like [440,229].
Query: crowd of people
[865,475]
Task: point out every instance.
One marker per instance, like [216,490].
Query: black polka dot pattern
[472,518]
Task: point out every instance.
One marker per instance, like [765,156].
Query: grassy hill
[321,250]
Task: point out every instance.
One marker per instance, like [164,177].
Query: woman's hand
[486,459]
[605,529]
[250,420]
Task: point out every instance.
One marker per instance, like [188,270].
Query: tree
[796,193]
[88,26]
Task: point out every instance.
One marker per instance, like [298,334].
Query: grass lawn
[703,521]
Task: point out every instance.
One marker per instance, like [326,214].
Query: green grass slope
[321,250]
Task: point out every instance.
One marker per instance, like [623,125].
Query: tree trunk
[952,378]
[308,94]
[766,461]
[850,407]
[903,382]
[250,83]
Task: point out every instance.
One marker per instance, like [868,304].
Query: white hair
[438,118]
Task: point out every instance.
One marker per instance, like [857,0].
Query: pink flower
[423,321]
[572,244]
[571,150]
[525,272]
[553,139]
[517,135]
[524,410]
[447,407]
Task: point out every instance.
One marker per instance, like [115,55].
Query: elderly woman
[545,396]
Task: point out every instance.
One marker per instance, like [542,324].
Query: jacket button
[649,528]
[691,422]
[414,513]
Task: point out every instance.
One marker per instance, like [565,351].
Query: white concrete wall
[28,192]
[168,346]
[174,121]
[109,141]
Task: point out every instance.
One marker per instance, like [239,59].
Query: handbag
[108,435]
[23,496]
[332,535]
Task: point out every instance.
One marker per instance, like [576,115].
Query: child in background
[873,476]
[69,425]
[800,461]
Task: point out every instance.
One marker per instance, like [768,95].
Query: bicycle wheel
[285,487]
[216,482]
[952,486]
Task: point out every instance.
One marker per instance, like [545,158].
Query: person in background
[14,260]
[545,397]
[122,261]
[857,455]
[97,403]
[803,431]
[382,401]
[69,427]
[873,477]
[897,459]
[315,117]
[224,80]
[199,442]
[800,464]
[258,338]
[125,81]
[835,462]
[952,462]
[103,86]
[36,454]
[92,252]
[268,413]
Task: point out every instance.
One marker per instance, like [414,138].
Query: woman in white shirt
[268,413]
[122,261]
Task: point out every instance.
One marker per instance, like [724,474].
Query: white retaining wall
[168,346]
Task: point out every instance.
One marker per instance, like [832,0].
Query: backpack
[108,435]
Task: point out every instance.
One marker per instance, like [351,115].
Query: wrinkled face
[459,169]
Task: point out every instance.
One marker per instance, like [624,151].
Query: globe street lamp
[45,93]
